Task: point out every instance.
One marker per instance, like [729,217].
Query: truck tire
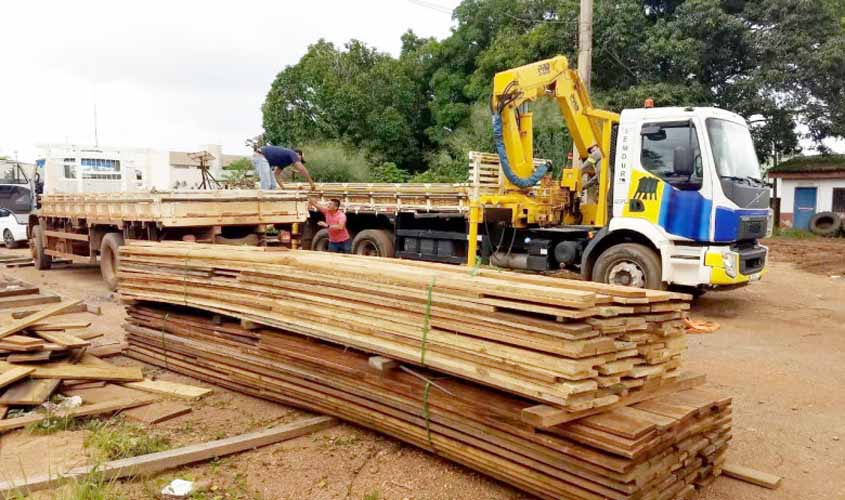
[320,241]
[110,258]
[826,224]
[629,264]
[9,239]
[375,242]
[42,261]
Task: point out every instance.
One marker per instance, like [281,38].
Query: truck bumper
[717,266]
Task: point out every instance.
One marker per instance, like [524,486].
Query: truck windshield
[733,150]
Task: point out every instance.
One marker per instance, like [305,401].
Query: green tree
[240,174]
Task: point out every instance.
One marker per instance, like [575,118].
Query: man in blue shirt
[281,160]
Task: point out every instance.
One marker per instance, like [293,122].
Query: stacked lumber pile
[43,355]
[663,448]
[573,347]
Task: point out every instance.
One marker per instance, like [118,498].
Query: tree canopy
[780,63]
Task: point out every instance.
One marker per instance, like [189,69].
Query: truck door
[661,189]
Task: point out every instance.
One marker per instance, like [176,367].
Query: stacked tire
[828,224]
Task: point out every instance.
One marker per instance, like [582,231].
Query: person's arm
[304,172]
[341,224]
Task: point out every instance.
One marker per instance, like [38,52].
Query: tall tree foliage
[781,62]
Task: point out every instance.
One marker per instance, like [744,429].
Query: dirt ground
[779,354]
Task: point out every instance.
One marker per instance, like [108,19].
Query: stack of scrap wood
[43,354]
[571,346]
[663,448]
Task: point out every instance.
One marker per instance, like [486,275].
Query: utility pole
[585,56]
[585,42]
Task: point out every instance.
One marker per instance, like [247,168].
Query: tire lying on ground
[109,258]
[826,224]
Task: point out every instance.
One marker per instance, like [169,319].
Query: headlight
[729,261]
[770,223]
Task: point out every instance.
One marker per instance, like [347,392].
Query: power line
[433,6]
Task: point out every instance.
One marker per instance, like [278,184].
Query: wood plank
[33,357]
[146,465]
[83,411]
[62,339]
[157,412]
[18,325]
[29,392]
[174,389]
[28,300]
[62,370]
[108,350]
[752,476]
[11,374]
[52,326]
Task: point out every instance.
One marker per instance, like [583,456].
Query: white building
[807,185]
[72,168]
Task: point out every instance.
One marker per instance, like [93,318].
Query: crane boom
[514,88]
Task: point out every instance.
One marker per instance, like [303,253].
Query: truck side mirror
[682,161]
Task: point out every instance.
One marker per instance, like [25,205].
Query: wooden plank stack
[663,448]
[573,346]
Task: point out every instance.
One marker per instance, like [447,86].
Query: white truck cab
[688,179]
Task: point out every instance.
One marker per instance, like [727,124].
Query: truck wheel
[629,264]
[375,242]
[825,223]
[42,261]
[110,258]
[9,239]
[320,241]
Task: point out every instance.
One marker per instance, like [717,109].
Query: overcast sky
[171,74]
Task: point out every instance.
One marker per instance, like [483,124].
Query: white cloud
[169,74]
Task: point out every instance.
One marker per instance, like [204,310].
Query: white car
[12,228]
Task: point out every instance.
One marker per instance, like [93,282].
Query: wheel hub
[627,274]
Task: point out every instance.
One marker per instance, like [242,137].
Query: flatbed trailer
[91,226]
[414,220]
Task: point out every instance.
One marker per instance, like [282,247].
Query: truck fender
[628,230]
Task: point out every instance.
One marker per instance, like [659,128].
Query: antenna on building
[208,180]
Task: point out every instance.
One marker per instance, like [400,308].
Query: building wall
[140,169]
[824,195]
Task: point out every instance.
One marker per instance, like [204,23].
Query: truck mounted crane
[680,200]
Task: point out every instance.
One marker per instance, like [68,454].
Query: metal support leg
[472,243]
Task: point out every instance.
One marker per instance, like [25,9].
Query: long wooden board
[146,465]
[19,324]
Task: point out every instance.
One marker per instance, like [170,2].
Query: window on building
[660,140]
[839,200]
[100,168]
[70,168]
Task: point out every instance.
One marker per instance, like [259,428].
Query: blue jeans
[265,174]
[340,246]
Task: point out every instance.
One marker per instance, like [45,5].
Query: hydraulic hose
[522,182]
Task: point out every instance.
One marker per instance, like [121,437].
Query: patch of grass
[118,439]
[794,234]
[373,495]
[94,486]
[54,423]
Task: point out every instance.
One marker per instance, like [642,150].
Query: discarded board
[20,324]
[83,411]
[11,375]
[106,350]
[157,412]
[62,370]
[170,389]
[29,392]
[145,465]
[752,476]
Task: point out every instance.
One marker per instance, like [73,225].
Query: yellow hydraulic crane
[590,128]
